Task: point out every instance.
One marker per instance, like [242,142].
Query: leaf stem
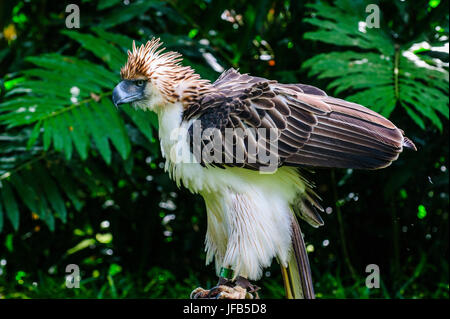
[74,105]
[23,165]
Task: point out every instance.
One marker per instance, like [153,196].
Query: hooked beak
[126,91]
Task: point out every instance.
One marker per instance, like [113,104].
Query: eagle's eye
[140,82]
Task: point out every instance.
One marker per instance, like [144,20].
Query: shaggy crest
[164,70]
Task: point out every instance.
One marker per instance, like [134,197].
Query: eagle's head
[153,78]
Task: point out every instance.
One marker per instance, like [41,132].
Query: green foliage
[157,283]
[67,101]
[379,71]
[72,117]
[161,283]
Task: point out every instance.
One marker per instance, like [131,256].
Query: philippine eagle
[240,143]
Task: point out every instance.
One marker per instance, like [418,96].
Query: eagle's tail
[297,276]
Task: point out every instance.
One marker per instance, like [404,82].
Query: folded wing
[313,129]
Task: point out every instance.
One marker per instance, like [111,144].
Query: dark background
[152,245]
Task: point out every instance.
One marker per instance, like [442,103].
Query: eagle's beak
[126,91]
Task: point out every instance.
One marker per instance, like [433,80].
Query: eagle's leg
[241,288]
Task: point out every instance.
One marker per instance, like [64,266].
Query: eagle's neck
[181,164]
[169,120]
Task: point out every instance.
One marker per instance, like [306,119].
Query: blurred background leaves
[82,183]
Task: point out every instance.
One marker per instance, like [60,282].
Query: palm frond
[63,106]
[378,72]
[69,100]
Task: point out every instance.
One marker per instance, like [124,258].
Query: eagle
[244,144]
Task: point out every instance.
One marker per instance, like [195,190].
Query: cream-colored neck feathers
[175,82]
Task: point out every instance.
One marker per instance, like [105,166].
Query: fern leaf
[53,195]
[101,48]
[378,72]
[78,132]
[34,134]
[116,128]
[100,138]
[142,120]
[68,185]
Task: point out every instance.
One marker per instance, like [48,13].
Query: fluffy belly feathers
[249,213]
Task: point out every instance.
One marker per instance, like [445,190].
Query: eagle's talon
[246,284]
[222,295]
[198,292]
[213,291]
[227,289]
[237,292]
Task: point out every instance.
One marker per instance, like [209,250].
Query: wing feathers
[281,106]
[306,117]
[409,144]
[313,129]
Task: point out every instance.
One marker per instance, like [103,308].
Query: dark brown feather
[313,129]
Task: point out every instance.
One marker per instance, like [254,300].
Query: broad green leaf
[116,38]
[78,132]
[76,69]
[97,131]
[125,13]
[141,119]
[34,134]
[47,135]
[51,190]
[68,185]
[44,212]
[64,128]
[115,127]
[57,133]
[108,53]
[416,118]
[378,73]
[27,193]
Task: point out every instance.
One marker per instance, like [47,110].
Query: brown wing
[313,129]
